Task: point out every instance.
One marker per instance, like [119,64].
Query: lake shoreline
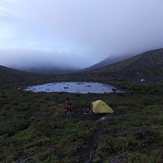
[74,87]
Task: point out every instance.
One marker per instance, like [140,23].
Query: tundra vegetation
[34,127]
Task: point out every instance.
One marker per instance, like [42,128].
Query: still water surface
[73,87]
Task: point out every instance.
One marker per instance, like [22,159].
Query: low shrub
[150,157]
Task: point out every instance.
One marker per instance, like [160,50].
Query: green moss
[34,128]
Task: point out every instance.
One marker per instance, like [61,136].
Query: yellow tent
[100,106]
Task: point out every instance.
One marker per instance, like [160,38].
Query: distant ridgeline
[9,75]
[148,64]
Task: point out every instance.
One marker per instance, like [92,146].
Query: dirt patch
[89,148]
[91,117]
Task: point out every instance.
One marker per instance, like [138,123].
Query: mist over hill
[149,63]
[10,75]
[108,61]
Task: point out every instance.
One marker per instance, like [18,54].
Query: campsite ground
[34,127]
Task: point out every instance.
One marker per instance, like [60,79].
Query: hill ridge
[146,63]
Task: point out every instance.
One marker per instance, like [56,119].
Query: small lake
[73,87]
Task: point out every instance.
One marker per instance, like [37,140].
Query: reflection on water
[73,87]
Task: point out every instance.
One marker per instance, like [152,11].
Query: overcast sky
[77,33]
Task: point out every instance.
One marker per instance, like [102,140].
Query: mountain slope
[148,63]
[50,70]
[9,75]
[108,61]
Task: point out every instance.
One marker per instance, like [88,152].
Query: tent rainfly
[142,80]
[100,106]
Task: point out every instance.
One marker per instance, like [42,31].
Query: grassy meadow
[34,127]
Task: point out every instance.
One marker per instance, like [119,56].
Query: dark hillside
[149,63]
[34,126]
[13,76]
[50,70]
[9,75]
[108,61]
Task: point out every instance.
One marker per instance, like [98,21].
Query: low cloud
[24,58]
[78,33]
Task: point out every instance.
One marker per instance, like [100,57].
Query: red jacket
[69,108]
[67,103]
